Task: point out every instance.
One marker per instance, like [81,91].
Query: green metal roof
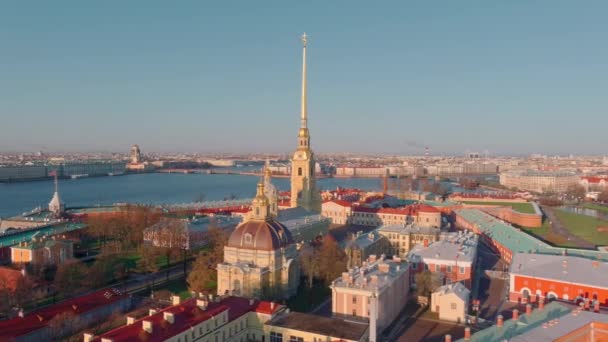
[525,323]
[26,235]
[519,241]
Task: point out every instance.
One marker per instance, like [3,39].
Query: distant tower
[135,154]
[304,191]
[55,205]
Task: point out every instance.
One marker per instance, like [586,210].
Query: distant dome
[266,235]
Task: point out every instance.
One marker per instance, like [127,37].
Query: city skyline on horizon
[247,89]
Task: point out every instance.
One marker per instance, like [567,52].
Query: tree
[603,196]
[70,277]
[310,264]
[204,269]
[5,298]
[106,269]
[426,283]
[576,192]
[332,259]
[22,294]
[147,262]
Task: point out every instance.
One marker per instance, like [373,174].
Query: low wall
[509,215]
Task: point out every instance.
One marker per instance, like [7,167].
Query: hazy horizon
[509,78]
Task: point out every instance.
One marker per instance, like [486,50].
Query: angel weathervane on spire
[304,39]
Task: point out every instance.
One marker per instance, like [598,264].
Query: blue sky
[224,76]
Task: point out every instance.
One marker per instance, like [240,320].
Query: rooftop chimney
[251,302]
[169,317]
[448,338]
[528,309]
[88,337]
[467,333]
[596,306]
[271,305]
[105,339]
[372,258]
[130,320]
[151,312]
[515,314]
[147,326]
[384,268]
[175,300]
[202,304]
[499,321]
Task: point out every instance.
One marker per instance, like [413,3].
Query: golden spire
[303,109]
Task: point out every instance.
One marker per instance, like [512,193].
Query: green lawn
[178,287]
[544,233]
[584,227]
[598,207]
[526,208]
[308,298]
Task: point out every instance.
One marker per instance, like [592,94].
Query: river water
[149,188]
[585,211]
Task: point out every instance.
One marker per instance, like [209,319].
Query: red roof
[187,315]
[39,319]
[425,208]
[342,203]
[595,179]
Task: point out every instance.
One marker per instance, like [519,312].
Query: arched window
[299,171]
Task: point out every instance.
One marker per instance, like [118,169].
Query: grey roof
[361,277]
[562,268]
[456,288]
[456,246]
[405,229]
[334,327]
[561,326]
[363,240]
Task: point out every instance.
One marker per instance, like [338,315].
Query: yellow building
[451,302]
[260,258]
[403,238]
[41,252]
[304,191]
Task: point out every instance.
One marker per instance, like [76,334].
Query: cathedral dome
[268,235]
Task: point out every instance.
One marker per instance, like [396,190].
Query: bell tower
[304,192]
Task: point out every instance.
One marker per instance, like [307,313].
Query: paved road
[558,228]
[492,291]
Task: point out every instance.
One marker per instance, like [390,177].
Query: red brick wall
[559,288]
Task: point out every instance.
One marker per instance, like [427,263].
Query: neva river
[150,188]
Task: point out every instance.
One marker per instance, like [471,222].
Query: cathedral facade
[260,258]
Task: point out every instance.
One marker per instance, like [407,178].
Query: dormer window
[248,238]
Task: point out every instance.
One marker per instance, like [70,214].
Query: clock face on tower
[300,156]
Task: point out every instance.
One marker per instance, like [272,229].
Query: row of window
[278,337]
[437,268]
